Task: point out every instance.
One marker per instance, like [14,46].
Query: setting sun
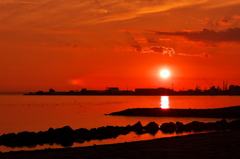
[164,73]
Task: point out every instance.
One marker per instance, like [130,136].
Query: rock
[81,134]
[210,126]
[235,124]
[168,127]
[195,126]
[179,127]
[152,127]
[64,136]
[26,138]
[221,125]
[8,140]
[137,127]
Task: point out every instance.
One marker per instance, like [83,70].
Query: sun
[164,73]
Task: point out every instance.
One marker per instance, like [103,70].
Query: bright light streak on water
[164,102]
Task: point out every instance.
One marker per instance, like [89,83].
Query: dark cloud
[202,55]
[207,35]
[152,41]
[155,49]
[147,50]
[159,50]
[225,21]
[138,48]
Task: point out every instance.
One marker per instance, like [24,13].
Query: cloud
[155,49]
[141,40]
[66,31]
[162,43]
[159,50]
[134,31]
[74,47]
[202,55]
[55,13]
[207,35]
[236,16]
[147,50]
[225,21]
[73,13]
[220,3]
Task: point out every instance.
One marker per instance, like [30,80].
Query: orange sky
[94,44]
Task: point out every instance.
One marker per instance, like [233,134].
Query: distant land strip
[232,90]
[227,112]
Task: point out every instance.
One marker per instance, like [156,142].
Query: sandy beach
[207,145]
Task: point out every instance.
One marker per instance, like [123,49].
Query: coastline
[224,144]
[66,136]
[233,90]
[226,112]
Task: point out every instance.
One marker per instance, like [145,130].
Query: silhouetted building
[51,91]
[152,91]
[234,90]
[113,89]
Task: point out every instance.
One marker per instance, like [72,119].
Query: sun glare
[164,73]
[164,102]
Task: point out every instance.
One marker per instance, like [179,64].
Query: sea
[39,113]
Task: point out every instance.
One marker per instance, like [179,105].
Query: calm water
[38,113]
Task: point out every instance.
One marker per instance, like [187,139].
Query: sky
[74,44]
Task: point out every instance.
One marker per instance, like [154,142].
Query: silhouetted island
[227,112]
[232,90]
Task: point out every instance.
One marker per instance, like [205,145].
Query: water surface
[38,113]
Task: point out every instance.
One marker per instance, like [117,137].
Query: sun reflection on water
[164,102]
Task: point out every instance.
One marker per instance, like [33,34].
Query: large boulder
[137,127]
[210,126]
[8,140]
[235,124]
[168,127]
[195,126]
[81,134]
[179,127]
[63,136]
[221,125]
[152,127]
[26,138]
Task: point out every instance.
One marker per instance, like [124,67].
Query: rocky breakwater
[66,136]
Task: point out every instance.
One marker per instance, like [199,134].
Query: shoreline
[223,144]
[225,112]
[66,136]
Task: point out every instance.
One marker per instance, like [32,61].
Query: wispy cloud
[163,43]
[147,50]
[71,12]
[65,31]
[236,16]
[220,3]
[207,35]
[225,21]
[202,55]
[161,50]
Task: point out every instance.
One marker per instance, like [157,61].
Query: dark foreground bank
[209,145]
[227,112]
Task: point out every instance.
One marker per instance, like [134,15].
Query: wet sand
[208,145]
